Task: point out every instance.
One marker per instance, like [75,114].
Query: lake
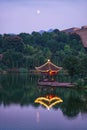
[19,111]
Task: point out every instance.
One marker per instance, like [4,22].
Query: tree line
[26,50]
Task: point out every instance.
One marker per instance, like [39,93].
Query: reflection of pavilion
[48,101]
[48,70]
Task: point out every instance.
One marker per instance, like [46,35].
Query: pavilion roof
[48,66]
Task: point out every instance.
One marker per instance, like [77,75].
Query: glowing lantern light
[48,101]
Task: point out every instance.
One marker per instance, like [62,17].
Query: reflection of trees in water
[84,115]
[17,89]
[23,90]
[75,104]
[72,107]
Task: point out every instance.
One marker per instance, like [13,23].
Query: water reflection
[48,101]
[23,90]
[38,117]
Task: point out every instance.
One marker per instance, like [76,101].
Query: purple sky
[18,16]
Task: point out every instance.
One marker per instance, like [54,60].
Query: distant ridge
[42,31]
[82,32]
[71,30]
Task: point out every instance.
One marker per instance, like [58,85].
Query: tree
[36,38]
[47,53]
[83,66]
[29,50]
[1,42]
[13,43]
[27,38]
[67,50]
[12,59]
[71,63]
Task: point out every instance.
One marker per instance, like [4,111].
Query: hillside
[22,52]
[82,32]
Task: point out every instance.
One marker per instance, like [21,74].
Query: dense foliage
[29,50]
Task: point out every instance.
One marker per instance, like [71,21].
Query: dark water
[18,110]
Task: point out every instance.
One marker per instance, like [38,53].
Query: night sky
[18,16]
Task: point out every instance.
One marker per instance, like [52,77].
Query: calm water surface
[18,110]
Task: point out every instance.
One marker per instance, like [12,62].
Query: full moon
[38,11]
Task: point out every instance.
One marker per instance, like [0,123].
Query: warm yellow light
[48,101]
[48,60]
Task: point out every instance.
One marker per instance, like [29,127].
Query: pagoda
[48,69]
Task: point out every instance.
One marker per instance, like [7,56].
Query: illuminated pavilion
[48,69]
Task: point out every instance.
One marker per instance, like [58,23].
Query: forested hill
[29,50]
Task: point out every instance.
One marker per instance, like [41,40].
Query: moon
[38,11]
